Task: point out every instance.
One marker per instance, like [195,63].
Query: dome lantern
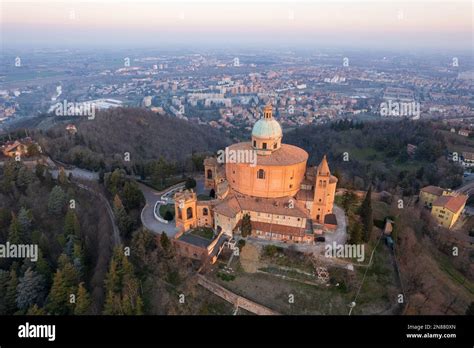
[266,133]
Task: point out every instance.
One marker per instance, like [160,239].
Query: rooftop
[285,155]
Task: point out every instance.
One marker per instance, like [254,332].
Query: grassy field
[165,208]
[204,232]
[458,143]
[285,288]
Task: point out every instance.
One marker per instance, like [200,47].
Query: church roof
[237,202]
[285,155]
[267,127]
[323,168]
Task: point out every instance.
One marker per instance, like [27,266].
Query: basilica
[285,199]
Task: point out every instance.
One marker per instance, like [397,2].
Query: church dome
[267,129]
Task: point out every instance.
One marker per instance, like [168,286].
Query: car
[320,239]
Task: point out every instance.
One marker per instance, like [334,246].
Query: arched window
[209,174]
[205,211]
[261,174]
[275,145]
[180,216]
[255,143]
[189,213]
[264,146]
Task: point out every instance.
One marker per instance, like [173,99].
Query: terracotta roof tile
[434,190]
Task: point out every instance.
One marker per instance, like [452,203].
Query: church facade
[285,199]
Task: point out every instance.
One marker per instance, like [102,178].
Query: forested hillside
[376,153]
[104,141]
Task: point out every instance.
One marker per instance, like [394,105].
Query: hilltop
[146,136]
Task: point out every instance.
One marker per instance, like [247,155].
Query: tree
[35,310]
[114,181]
[71,224]
[62,177]
[40,171]
[56,200]
[4,279]
[15,234]
[65,283]
[348,198]
[246,227]
[165,242]
[31,290]
[122,287]
[33,150]
[10,297]
[42,267]
[24,220]
[190,183]
[10,173]
[366,214]
[132,196]
[144,247]
[168,216]
[24,178]
[123,221]
[356,233]
[83,302]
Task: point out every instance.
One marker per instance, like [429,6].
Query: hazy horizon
[388,25]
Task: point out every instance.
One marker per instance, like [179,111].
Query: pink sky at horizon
[420,22]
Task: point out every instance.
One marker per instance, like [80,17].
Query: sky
[418,24]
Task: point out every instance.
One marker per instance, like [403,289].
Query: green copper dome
[267,128]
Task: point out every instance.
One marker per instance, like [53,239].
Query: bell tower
[324,190]
[185,210]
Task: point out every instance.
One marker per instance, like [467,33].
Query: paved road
[151,197]
[148,218]
[116,231]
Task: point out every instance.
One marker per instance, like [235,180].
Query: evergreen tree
[356,233]
[35,310]
[10,173]
[15,234]
[24,220]
[24,178]
[40,171]
[246,227]
[83,301]
[121,216]
[65,283]
[42,267]
[31,290]
[4,280]
[132,196]
[56,200]
[190,183]
[10,297]
[122,287]
[71,224]
[366,214]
